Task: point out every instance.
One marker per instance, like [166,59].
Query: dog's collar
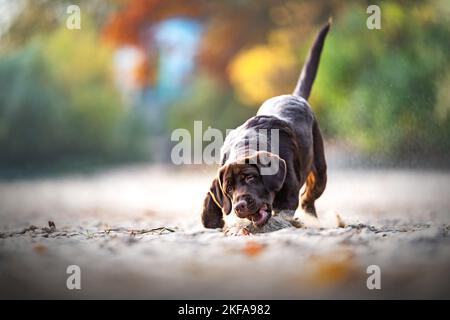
[214,199]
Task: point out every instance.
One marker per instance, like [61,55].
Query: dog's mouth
[261,216]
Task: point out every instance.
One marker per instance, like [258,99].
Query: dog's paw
[237,231]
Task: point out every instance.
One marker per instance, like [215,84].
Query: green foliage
[31,119]
[208,101]
[385,91]
[58,102]
[379,89]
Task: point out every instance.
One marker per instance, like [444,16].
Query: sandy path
[109,224]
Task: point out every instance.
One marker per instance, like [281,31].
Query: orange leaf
[40,249]
[253,249]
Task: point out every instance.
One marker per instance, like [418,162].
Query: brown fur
[301,155]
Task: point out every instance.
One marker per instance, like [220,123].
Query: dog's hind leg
[317,177]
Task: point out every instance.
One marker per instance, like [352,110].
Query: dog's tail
[308,74]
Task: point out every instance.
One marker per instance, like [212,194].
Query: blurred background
[112,91]
[86,117]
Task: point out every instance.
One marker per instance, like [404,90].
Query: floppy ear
[219,193]
[215,205]
[271,168]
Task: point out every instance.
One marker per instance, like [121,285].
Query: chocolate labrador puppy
[266,161]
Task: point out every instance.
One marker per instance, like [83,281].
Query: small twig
[160,230]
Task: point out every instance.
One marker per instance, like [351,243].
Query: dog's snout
[241,206]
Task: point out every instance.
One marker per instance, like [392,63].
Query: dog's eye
[250,178]
[229,188]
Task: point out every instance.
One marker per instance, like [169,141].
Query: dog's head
[248,186]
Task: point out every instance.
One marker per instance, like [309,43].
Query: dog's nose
[241,206]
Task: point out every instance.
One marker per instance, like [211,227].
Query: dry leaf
[253,249]
[330,269]
[40,249]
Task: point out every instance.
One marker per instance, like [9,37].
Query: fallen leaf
[253,249]
[330,269]
[40,249]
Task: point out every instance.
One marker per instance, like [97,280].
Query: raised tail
[309,71]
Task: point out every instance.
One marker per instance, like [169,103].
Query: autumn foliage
[127,26]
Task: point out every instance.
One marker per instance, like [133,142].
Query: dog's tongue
[261,216]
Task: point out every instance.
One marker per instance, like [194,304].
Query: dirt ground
[135,233]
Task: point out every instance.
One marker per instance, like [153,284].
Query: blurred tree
[32,121]
[380,90]
[209,101]
[84,68]
[264,71]
[384,92]
[58,102]
[128,24]
[42,16]
[222,20]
